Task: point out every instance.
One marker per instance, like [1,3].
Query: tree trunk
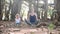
[57,7]
[46,8]
[0,10]
[15,9]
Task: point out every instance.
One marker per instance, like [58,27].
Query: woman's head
[32,10]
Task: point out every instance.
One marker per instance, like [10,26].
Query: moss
[32,32]
[51,26]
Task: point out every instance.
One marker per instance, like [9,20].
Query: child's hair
[17,15]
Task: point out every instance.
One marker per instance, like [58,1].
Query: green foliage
[50,12]
[51,26]
[32,32]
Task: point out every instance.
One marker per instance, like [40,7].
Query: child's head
[17,16]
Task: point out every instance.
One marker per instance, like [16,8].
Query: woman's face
[32,11]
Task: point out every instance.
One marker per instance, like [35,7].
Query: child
[17,19]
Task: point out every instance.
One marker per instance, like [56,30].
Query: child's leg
[16,24]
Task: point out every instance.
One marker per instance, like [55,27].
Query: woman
[32,18]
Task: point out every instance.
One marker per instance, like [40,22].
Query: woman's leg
[31,23]
[28,22]
[34,23]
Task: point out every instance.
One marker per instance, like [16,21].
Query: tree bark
[57,7]
[45,8]
[0,10]
[15,9]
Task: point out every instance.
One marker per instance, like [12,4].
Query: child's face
[17,16]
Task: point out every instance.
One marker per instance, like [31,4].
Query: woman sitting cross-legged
[32,18]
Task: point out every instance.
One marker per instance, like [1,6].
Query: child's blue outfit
[17,21]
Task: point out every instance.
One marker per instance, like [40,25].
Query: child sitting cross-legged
[17,20]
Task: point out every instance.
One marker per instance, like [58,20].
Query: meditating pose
[17,19]
[32,18]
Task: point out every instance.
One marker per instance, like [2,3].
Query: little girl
[17,19]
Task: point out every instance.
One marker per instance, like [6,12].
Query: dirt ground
[9,28]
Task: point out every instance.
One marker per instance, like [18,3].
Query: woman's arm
[36,16]
[28,16]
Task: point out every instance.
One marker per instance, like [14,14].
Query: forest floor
[8,28]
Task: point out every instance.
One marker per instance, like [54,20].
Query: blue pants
[17,24]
